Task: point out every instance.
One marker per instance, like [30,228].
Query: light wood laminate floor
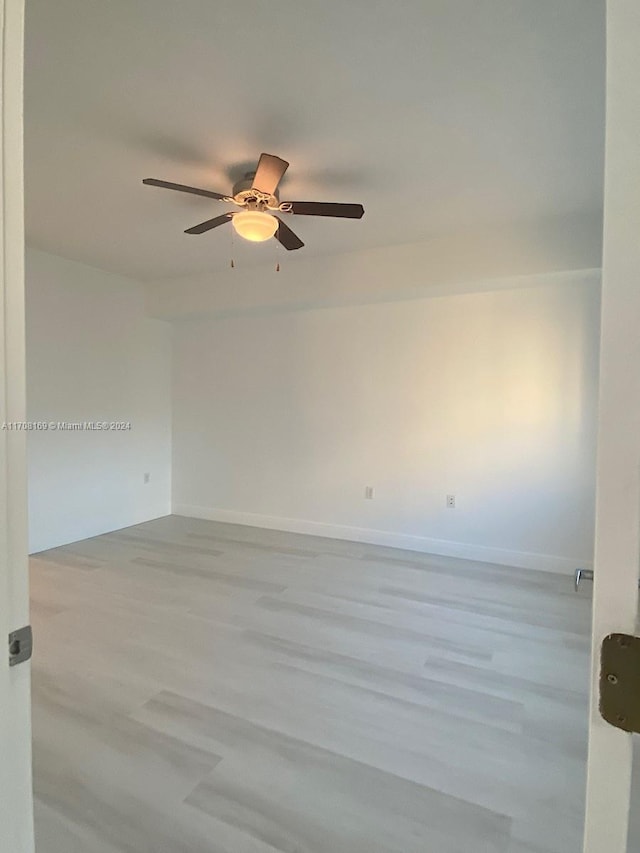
[210,688]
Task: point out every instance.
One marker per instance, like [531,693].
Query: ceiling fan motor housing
[245,194]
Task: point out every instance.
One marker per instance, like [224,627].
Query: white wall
[479,260]
[93,355]
[282,414]
[282,419]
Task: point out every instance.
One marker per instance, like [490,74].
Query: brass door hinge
[620,681]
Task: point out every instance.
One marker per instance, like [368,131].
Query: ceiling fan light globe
[255,226]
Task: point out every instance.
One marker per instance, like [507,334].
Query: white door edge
[617,556]
[16,799]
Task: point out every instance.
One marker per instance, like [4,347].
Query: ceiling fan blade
[269,173]
[209,224]
[323,208]
[154,182]
[285,235]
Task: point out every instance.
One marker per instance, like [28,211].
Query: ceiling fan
[257,193]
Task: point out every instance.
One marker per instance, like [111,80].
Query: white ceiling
[438,115]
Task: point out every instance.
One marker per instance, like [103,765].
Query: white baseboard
[404,541]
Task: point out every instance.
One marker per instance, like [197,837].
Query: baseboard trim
[404,541]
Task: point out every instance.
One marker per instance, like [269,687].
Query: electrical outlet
[368,493]
[451,501]
[147,477]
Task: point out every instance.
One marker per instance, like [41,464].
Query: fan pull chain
[233,263]
[278,248]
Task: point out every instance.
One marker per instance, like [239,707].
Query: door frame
[617,547]
[16,798]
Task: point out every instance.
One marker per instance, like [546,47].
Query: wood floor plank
[185,572]
[55,833]
[458,700]
[209,687]
[333,779]
[373,628]
[258,546]
[548,615]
